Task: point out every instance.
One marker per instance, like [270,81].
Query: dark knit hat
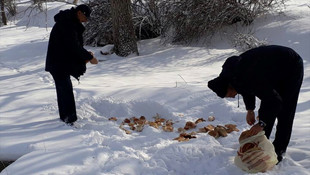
[84,9]
[219,85]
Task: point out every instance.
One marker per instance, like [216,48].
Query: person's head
[83,12]
[222,88]
[231,92]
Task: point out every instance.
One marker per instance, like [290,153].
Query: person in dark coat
[66,57]
[272,73]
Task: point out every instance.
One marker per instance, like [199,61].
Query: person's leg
[284,126]
[287,114]
[269,125]
[65,98]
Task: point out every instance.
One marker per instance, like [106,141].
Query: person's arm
[74,46]
[249,101]
[271,104]
[250,117]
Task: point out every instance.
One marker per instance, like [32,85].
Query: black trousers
[289,91]
[65,97]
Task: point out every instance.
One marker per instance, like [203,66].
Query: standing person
[274,74]
[66,56]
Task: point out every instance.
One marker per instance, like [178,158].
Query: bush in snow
[10,6]
[146,19]
[189,20]
[99,29]
[178,21]
[246,41]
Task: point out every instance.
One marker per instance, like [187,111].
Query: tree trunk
[4,21]
[123,30]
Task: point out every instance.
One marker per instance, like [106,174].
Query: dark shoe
[280,158]
[61,119]
[70,123]
[69,120]
[67,123]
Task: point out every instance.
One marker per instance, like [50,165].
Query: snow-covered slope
[165,80]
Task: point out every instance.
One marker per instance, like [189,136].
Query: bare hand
[94,61]
[250,117]
[256,129]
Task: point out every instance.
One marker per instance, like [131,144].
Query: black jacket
[263,72]
[66,54]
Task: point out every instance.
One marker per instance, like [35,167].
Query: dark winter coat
[66,54]
[265,72]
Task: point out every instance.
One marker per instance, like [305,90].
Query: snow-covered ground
[165,80]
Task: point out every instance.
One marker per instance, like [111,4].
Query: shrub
[189,20]
[178,21]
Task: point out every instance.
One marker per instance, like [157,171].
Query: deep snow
[166,80]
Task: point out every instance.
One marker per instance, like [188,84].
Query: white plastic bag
[256,153]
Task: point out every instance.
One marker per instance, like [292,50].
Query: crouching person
[66,57]
[272,73]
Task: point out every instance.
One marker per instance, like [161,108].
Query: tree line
[177,21]
[123,22]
